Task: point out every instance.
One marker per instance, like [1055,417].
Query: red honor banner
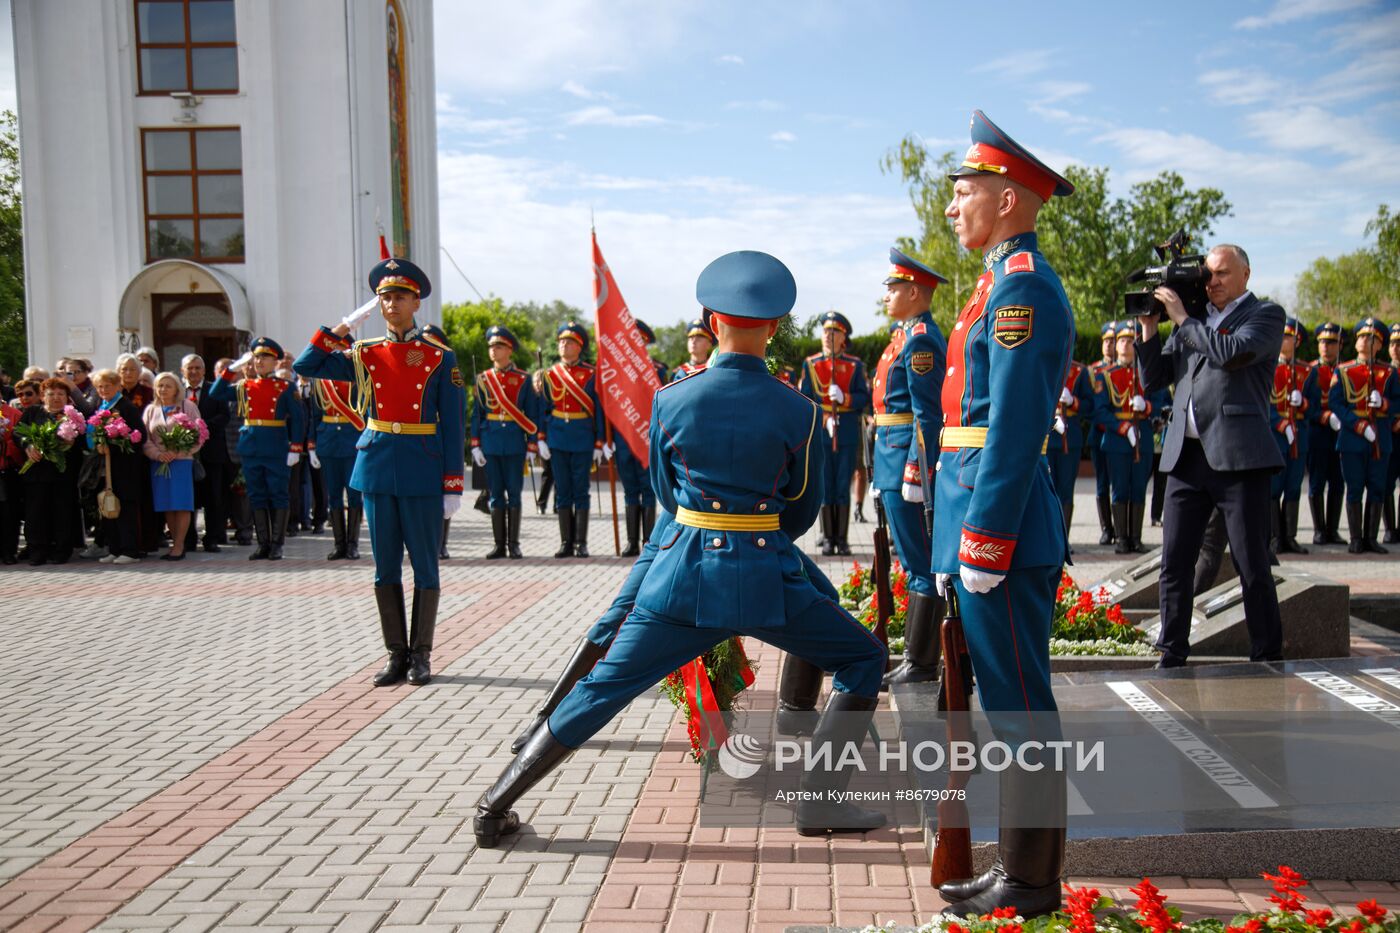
[626,377]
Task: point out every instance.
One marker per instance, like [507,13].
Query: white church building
[197,173]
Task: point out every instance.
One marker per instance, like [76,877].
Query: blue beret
[265,346]
[575,330]
[906,269]
[698,328]
[747,284]
[835,320]
[995,153]
[399,273]
[647,333]
[1371,327]
[498,334]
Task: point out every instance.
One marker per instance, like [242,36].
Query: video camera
[1184,274]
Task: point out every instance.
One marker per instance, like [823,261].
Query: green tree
[1355,284]
[14,351]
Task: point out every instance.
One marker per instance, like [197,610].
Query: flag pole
[612,487]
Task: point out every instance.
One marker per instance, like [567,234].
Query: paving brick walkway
[197,747]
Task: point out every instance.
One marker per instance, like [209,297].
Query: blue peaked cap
[747,284]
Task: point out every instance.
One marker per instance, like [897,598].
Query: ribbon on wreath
[704,724]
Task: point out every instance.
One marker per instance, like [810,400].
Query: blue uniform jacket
[407,382]
[850,376]
[1113,412]
[572,433]
[756,460]
[1351,389]
[492,430]
[264,398]
[996,506]
[1072,441]
[909,378]
[333,438]
[1304,378]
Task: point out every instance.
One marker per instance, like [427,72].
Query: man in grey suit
[1219,450]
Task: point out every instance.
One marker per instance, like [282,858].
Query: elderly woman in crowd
[51,495]
[172,494]
[125,469]
[129,371]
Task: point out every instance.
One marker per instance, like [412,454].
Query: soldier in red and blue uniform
[1325,488]
[835,380]
[728,564]
[699,342]
[1108,343]
[335,428]
[1364,393]
[1392,475]
[1066,442]
[637,496]
[410,462]
[571,435]
[270,442]
[905,393]
[999,536]
[1293,397]
[503,433]
[1124,414]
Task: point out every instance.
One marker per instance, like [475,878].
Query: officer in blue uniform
[1124,415]
[270,442]
[1365,392]
[835,380]
[503,434]
[1392,475]
[1108,343]
[998,535]
[432,331]
[1293,397]
[1325,488]
[410,462]
[1066,442]
[571,435]
[905,393]
[336,427]
[699,342]
[727,566]
[637,496]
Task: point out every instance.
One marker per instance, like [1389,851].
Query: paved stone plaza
[198,747]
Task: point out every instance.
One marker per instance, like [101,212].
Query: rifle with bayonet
[880,565]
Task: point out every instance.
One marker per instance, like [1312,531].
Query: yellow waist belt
[495,417]
[956,438]
[264,423]
[571,415]
[334,419]
[1129,415]
[725,521]
[904,417]
[398,427]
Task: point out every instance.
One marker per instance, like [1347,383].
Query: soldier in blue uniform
[637,496]
[998,535]
[1293,396]
[728,565]
[1364,393]
[1325,492]
[1066,443]
[699,342]
[1108,344]
[336,427]
[1392,475]
[270,442]
[410,462]
[835,380]
[437,333]
[1124,414]
[905,393]
[503,434]
[571,436]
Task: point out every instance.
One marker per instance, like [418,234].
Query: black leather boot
[584,657]
[513,533]
[442,541]
[279,533]
[1392,534]
[923,645]
[494,817]
[1373,525]
[421,626]
[1105,519]
[580,532]
[648,520]
[634,530]
[482,503]
[566,533]
[1335,499]
[262,528]
[337,517]
[860,513]
[841,523]
[1121,542]
[498,533]
[395,629]
[799,687]
[1290,527]
[1319,519]
[352,532]
[845,721]
[828,539]
[1067,512]
[1136,511]
[1356,529]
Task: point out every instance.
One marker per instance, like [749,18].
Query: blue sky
[689,130]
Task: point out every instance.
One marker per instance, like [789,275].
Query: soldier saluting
[411,453]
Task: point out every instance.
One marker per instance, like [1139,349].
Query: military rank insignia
[457,377]
[921,362]
[1012,326]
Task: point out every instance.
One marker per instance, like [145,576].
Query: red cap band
[917,276]
[745,322]
[988,158]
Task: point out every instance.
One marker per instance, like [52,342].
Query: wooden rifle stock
[952,843]
[880,571]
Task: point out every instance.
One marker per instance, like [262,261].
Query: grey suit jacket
[1227,373]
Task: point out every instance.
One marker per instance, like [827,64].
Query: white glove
[978,581]
[831,426]
[941,582]
[1131,435]
[1333,421]
[1139,403]
[834,393]
[609,450]
[531,457]
[544,450]
[912,492]
[238,364]
[1375,400]
[1066,397]
[478,457]
[293,458]
[1288,433]
[1369,434]
[315,460]
[598,455]
[357,317]
[1059,425]
[450,505]
[1295,398]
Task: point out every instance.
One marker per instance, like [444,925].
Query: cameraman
[1219,450]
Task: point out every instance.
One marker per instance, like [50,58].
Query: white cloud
[1236,86]
[1290,11]
[729,60]
[575,89]
[1360,148]
[1018,65]
[1054,91]
[783,136]
[606,116]
[459,121]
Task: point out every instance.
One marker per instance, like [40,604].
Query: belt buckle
[396,427]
